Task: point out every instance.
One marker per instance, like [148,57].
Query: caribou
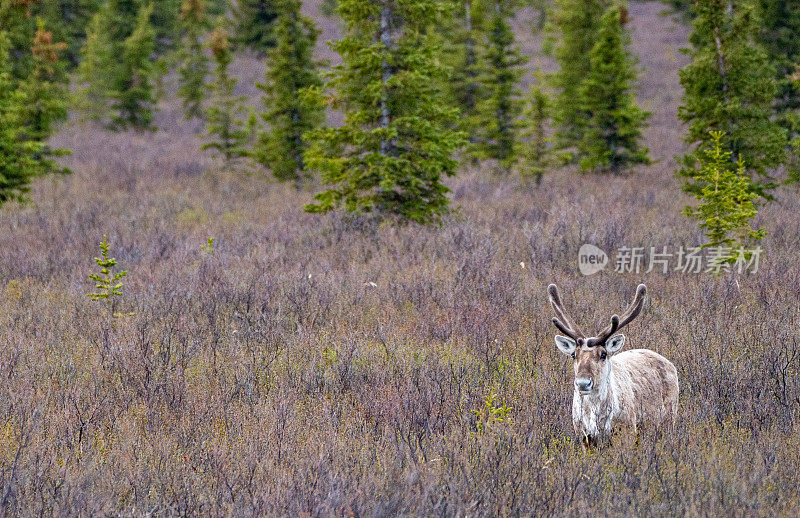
[612,388]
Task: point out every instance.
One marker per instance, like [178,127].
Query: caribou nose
[584,385]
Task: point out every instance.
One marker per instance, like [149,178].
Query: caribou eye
[603,355]
[573,355]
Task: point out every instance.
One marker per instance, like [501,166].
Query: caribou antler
[561,321]
[618,323]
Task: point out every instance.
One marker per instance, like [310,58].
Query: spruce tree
[726,198]
[779,33]
[44,88]
[497,123]
[67,20]
[397,140]
[793,163]
[46,97]
[290,70]
[124,17]
[193,63]
[577,22]
[534,153]
[96,70]
[133,92]
[167,24]
[227,133]
[19,26]
[614,123]
[464,41]
[254,23]
[19,163]
[730,87]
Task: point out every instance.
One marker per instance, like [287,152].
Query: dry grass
[266,378]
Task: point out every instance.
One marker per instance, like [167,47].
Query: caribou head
[591,353]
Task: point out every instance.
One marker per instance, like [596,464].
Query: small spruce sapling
[108,282]
[208,247]
[492,414]
[726,197]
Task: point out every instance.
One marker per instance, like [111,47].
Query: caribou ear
[566,345]
[615,343]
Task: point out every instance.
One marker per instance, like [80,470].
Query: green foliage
[397,140]
[133,97]
[682,7]
[730,87]
[614,123]
[491,414]
[158,74]
[254,24]
[164,20]
[109,282]
[534,154]
[290,70]
[502,69]
[208,247]
[167,24]
[794,165]
[253,127]
[20,155]
[19,27]
[577,23]
[328,7]
[29,108]
[464,39]
[779,33]
[46,97]
[124,17]
[96,70]
[218,8]
[45,87]
[68,21]
[726,197]
[542,9]
[225,129]
[192,61]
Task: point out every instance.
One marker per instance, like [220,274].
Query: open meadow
[308,365]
